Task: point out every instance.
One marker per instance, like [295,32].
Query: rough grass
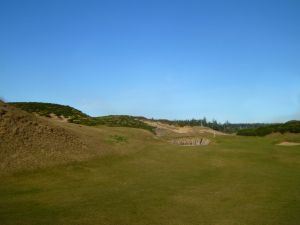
[236,181]
[47,109]
[76,116]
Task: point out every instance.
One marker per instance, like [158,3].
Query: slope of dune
[27,141]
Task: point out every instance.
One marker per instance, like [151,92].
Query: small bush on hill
[122,121]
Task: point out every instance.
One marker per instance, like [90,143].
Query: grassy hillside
[238,180]
[75,116]
[28,141]
[291,127]
[122,121]
[46,109]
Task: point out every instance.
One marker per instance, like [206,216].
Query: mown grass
[236,181]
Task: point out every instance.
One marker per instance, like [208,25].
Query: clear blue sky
[228,60]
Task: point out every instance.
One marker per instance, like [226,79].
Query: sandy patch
[191,141]
[286,143]
[181,130]
[59,118]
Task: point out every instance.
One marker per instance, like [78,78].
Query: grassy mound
[47,109]
[289,127]
[76,116]
[28,141]
[122,121]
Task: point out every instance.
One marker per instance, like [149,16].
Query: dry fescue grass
[28,142]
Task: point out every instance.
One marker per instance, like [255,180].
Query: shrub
[291,126]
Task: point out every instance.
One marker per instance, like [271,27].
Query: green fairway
[234,181]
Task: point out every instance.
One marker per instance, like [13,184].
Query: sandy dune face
[181,130]
[186,136]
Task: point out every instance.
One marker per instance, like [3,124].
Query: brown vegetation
[29,141]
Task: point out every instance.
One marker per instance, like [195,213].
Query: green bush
[291,126]
[122,121]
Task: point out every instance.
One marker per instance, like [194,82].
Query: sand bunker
[190,141]
[286,143]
